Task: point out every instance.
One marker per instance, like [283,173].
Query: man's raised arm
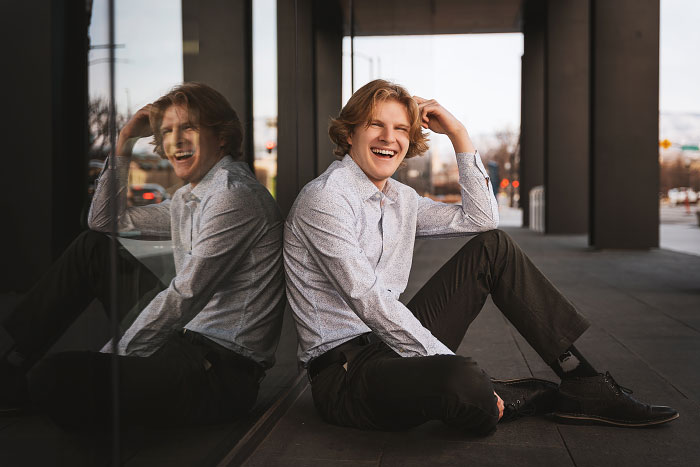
[479,209]
[148,220]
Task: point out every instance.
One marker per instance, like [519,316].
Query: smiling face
[191,150]
[380,147]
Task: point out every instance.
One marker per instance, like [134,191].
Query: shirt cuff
[473,159]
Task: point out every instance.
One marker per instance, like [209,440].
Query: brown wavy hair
[207,107]
[360,110]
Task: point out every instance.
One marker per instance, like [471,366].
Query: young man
[197,352]
[375,363]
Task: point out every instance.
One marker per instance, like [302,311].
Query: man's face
[192,151]
[380,147]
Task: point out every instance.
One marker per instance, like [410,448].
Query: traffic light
[665,144]
[270,145]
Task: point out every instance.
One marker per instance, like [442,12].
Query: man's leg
[81,274]
[493,263]
[378,389]
[180,383]
[381,390]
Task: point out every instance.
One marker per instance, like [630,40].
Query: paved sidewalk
[645,309]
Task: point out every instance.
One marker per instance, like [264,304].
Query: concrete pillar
[218,51]
[532,125]
[625,112]
[566,165]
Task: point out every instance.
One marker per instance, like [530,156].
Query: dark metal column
[532,125]
[625,113]
[567,117]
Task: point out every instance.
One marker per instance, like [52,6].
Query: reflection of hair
[206,107]
[360,110]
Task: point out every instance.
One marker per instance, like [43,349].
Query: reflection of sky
[476,76]
[151,32]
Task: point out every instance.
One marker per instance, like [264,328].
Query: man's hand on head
[436,118]
[138,126]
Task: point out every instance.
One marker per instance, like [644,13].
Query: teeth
[183,155]
[384,152]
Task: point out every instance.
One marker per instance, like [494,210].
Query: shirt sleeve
[231,226]
[325,226]
[153,219]
[477,213]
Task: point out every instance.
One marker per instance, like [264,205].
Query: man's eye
[165,132]
[377,124]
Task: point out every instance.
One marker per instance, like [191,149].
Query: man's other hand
[501,407]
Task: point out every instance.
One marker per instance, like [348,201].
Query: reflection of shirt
[227,243]
[348,250]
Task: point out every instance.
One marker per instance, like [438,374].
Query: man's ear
[350,139]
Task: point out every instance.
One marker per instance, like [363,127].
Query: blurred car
[679,195]
[146,193]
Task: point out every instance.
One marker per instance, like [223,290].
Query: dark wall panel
[46,114]
[217,50]
[309,44]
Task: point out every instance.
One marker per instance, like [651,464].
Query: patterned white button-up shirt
[227,244]
[348,250]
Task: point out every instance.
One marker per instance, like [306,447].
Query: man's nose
[177,135]
[388,135]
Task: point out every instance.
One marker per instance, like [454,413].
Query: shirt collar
[205,183]
[364,186]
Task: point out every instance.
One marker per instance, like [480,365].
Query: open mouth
[383,153]
[183,155]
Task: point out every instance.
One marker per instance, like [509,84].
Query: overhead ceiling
[409,17]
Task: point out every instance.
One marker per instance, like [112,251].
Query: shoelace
[616,387]
[520,409]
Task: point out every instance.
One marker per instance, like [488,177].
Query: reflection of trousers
[189,380]
[381,390]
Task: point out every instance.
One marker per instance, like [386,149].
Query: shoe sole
[605,421]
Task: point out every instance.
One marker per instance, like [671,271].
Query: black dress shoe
[601,399]
[525,397]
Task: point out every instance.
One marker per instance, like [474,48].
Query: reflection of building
[417,172]
[153,169]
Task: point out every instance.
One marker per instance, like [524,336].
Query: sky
[477,77]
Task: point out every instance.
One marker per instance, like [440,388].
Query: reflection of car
[147,193]
[679,195]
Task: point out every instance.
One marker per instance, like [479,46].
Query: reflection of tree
[98,126]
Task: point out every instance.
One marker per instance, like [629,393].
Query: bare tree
[98,125]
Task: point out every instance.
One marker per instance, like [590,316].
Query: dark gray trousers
[381,390]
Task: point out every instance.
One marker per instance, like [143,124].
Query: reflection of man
[197,351]
[375,363]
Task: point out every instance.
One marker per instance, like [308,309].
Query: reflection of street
[678,230]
